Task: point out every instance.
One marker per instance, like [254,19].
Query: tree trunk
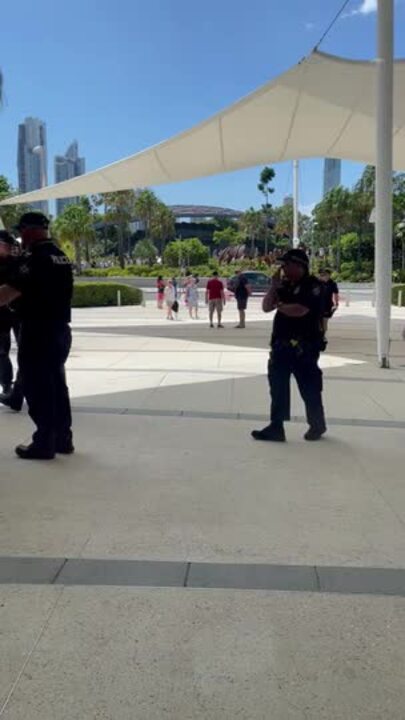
[338,254]
[78,255]
[105,240]
[121,257]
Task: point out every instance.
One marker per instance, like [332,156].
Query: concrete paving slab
[215,655]
[24,614]
[119,497]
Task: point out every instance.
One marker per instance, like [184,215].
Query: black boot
[34,452]
[271,433]
[313,434]
[64,445]
[12,400]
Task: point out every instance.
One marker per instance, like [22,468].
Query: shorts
[215,305]
[241,303]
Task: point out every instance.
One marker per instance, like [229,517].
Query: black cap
[295,256]
[34,220]
[6,238]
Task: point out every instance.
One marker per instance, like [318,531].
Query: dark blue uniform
[295,347]
[44,277]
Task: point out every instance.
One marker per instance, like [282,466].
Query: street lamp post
[383,191]
[295,203]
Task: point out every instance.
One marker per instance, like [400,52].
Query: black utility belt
[317,344]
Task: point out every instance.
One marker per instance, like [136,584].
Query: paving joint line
[58,572]
[186,575]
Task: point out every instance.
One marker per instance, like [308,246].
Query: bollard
[399,298]
[348,298]
[119,298]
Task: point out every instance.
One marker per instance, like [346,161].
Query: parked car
[258,282]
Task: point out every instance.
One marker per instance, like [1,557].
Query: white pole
[400,298]
[119,298]
[383,190]
[296,201]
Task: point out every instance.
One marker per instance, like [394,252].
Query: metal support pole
[383,190]
[296,201]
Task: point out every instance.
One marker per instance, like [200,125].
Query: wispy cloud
[366,7]
[309,26]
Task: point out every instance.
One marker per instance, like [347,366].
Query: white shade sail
[322,107]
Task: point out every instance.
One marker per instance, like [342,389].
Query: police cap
[33,220]
[295,256]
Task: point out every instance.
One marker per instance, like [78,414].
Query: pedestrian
[215,299]
[12,395]
[296,343]
[176,288]
[170,300]
[43,280]
[192,298]
[160,292]
[242,292]
[330,296]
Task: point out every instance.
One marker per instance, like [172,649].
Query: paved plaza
[174,568]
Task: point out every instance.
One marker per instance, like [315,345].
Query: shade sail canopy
[322,107]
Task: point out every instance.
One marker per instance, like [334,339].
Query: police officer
[9,321]
[43,281]
[296,343]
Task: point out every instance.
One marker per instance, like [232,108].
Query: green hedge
[395,292]
[96,294]
[156,270]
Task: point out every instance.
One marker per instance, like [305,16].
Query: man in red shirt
[215,298]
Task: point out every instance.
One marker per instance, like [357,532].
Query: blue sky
[121,76]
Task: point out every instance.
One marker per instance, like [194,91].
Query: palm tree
[253,225]
[162,225]
[75,226]
[146,203]
[119,209]
[267,176]
[334,214]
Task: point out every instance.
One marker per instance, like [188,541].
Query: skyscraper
[332,172]
[68,166]
[32,158]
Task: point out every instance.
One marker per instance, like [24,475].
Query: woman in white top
[192,298]
[170,298]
